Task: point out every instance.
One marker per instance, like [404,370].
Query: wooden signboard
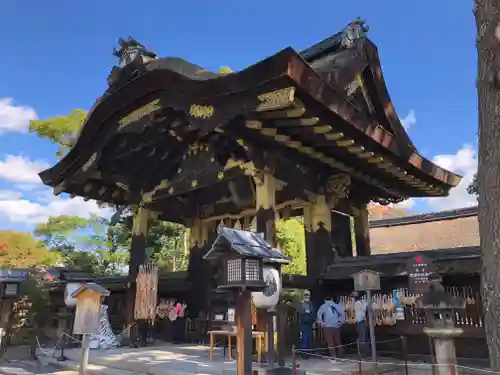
[419,268]
[366,280]
[88,308]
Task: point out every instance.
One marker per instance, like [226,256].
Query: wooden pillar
[362,230]
[265,194]
[140,228]
[318,226]
[199,274]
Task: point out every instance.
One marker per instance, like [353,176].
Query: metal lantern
[243,255]
[243,272]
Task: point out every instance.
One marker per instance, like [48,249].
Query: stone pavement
[26,367]
[168,359]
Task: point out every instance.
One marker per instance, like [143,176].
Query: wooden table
[256,335]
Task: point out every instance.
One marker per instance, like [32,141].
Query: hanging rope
[146,294]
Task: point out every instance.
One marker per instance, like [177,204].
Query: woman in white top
[360,311]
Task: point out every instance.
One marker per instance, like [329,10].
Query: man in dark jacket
[307,318]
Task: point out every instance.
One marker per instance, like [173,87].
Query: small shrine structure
[311,133]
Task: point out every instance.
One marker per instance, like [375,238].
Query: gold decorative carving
[351,87]
[242,143]
[277,99]
[253,124]
[123,186]
[206,211]
[302,168]
[139,113]
[201,111]
[296,110]
[89,162]
[258,177]
[338,185]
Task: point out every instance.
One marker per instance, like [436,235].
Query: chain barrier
[345,345]
[64,335]
[419,365]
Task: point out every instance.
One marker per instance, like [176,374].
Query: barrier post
[63,341]
[452,368]
[360,357]
[405,353]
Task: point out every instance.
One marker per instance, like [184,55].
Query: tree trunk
[487,13]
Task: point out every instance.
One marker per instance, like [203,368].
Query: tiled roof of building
[442,230]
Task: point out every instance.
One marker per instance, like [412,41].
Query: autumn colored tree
[22,250]
[377,212]
[487,14]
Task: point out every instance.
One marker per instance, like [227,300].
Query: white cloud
[21,169]
[463,162]
[409,120]
[26,200]
[15,118]
[17,209]
[9,195]
[405,205]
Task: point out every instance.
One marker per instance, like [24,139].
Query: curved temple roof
[328,106]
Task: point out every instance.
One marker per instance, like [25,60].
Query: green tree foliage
[22,250]
[31,312]
[290,235]
[99,245]
[472,189]
[84,244]
[169,243]
[225,70]
[166,241]
[60,129]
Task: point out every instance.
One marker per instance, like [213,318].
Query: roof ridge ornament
[354,32]
[130,49]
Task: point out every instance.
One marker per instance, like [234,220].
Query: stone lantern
[439,309]
[10,282]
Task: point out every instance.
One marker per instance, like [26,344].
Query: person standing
[306,321]
[331,317]
[360,313]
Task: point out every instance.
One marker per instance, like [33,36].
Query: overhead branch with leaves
[472,189]
[84,243]
[61,130]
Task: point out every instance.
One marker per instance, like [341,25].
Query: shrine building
[311,133]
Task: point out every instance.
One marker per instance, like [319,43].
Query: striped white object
[106,338]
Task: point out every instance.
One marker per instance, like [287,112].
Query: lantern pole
[372,325]
[84,361]
[244,332]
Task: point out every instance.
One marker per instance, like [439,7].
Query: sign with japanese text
[419,268]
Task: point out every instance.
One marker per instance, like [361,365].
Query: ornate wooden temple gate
[295,134]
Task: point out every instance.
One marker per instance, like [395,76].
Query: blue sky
[57,54]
